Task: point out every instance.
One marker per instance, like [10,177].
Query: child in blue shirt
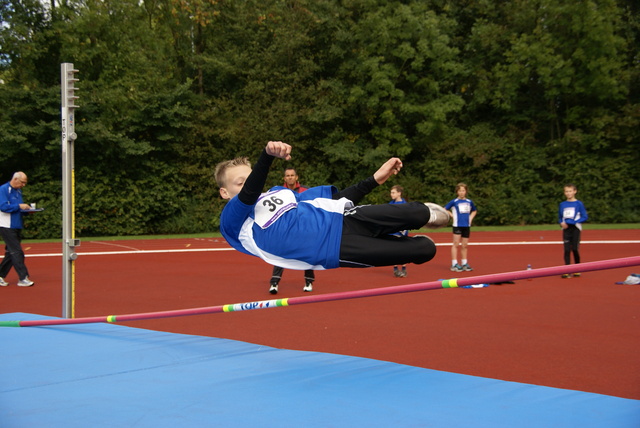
[396,193]
[321,228]
[463,211]
[571,215]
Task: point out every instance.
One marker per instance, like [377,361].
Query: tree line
[514,98]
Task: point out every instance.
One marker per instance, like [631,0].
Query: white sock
[464,261]
[454,262]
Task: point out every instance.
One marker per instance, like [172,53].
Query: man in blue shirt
[11,206]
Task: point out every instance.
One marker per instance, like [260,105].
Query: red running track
[578,333]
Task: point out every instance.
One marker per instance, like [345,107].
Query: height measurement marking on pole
[68,99]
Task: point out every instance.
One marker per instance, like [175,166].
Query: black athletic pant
[571,240]
[309,275]
[367,239]
[13,256]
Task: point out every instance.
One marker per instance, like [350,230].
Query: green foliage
[513,98]
[132,204]
[46,195]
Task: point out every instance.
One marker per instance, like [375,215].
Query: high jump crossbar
[345,295]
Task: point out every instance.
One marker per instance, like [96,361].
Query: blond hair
[221,169]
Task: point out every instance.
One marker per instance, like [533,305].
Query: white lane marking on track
[114,245]
[194,250]
[553,242]
[106,253]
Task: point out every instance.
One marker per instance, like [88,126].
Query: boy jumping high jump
[321,228]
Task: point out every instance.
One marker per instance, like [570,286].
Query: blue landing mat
[105,375]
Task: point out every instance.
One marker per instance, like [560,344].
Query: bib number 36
[272,205]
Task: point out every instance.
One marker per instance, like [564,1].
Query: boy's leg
[367,240]
[566,240]
[275,279]
[385,219]
[575,244]
[309,275]
[276,276]
[367,251]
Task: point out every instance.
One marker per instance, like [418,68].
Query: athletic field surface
[546,352]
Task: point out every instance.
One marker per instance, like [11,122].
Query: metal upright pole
[67,77]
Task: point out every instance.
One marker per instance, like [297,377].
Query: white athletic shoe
[26,282]
[3,283]
[439,216]
[308,287]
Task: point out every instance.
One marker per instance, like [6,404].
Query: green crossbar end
[9,323]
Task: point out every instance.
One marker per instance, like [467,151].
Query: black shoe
[273,289]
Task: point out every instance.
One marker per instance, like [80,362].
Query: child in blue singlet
[571,215]
[396,194]
[463,211]
[321,228]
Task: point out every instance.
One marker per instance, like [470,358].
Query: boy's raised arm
[358,191]
[278,149]
[389,168]
[253,186]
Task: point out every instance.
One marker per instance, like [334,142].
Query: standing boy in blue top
[321,228]
[396,198]
[571,215]
[463,211]
[11,206]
